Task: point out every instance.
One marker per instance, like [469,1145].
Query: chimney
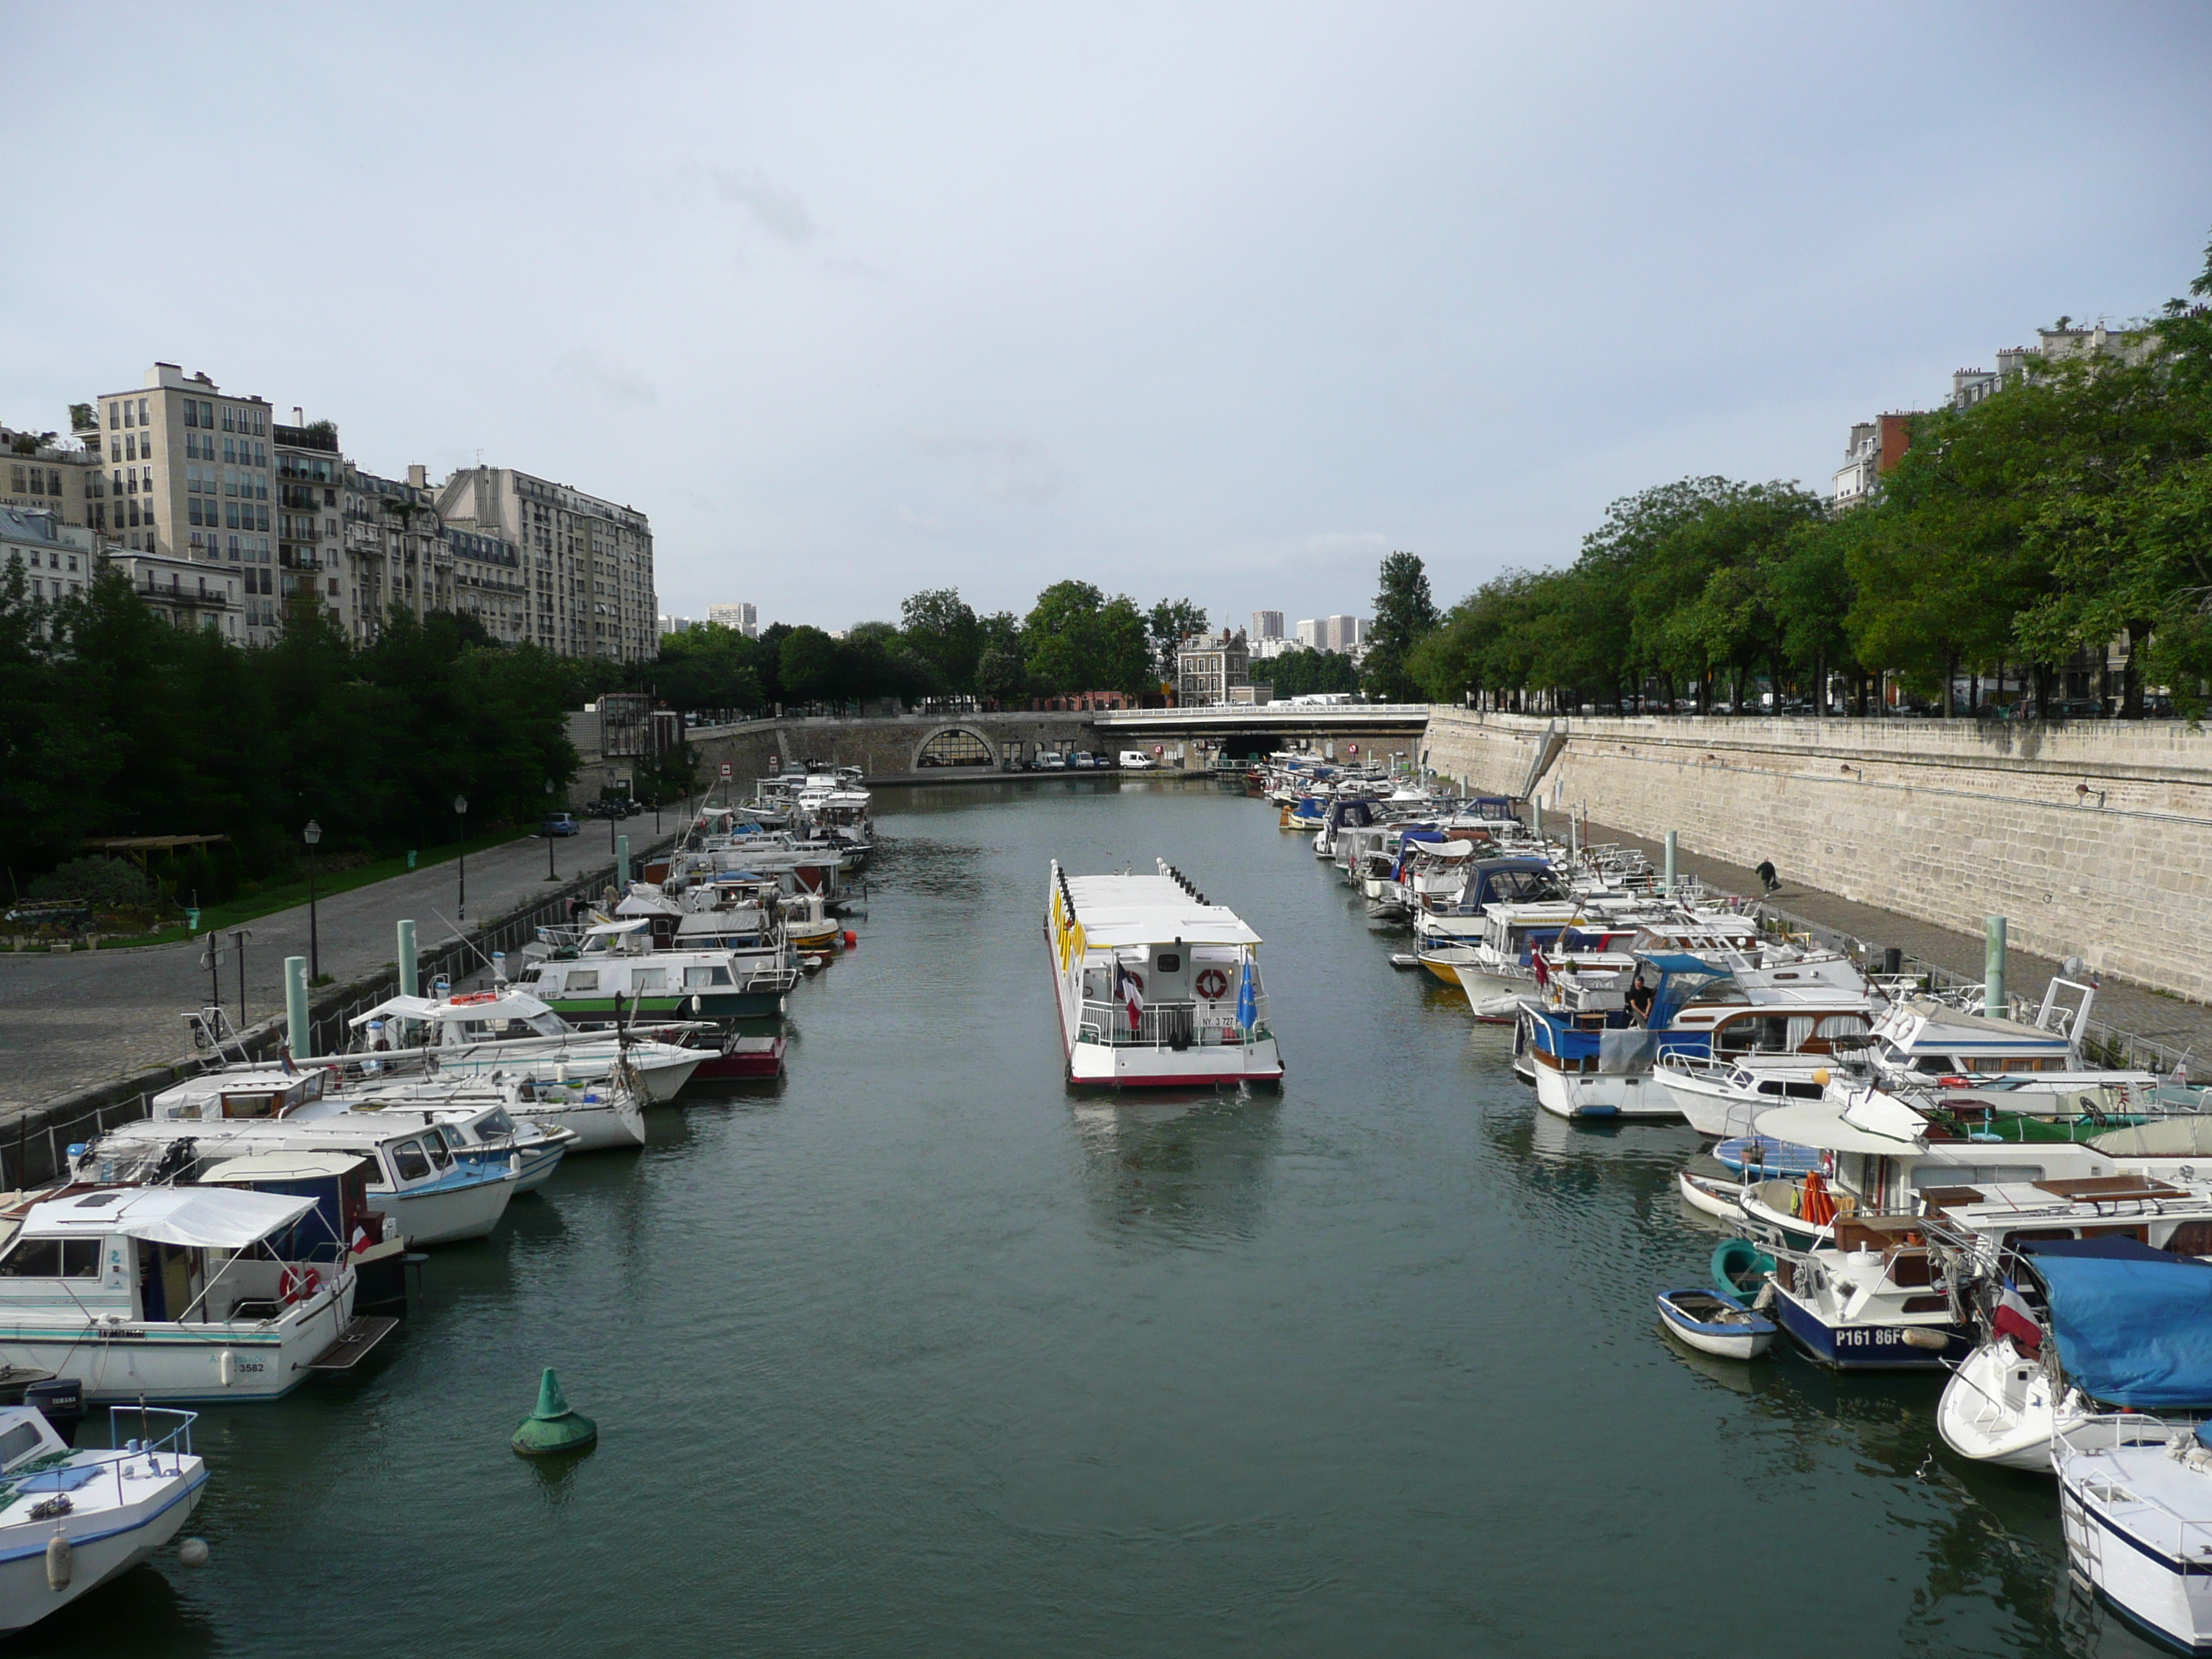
[418,476]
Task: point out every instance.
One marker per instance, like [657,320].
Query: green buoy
[553,1427]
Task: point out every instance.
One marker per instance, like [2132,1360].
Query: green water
[919,1353]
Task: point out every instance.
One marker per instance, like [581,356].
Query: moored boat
[1715,1324]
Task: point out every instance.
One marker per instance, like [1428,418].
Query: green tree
[941,629]
[1404,612]
[1169,623]
[1002,665]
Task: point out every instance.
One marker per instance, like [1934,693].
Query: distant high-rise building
[1345,633]
[1266,625]
[1309,634]
[676,625]
[744,618]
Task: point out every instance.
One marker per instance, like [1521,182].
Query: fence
[38,1150]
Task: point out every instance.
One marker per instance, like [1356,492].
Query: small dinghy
[1713,1195]
[1402,960]
[1715,1324]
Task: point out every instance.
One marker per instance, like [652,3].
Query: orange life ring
[475,997]
[297,1284]
[1213,984]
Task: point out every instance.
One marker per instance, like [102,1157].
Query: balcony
[320,434]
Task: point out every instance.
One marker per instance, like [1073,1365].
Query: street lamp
[311,835]
[461,812]
[548,827]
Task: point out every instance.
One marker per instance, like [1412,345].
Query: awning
[399,1007]
[217,1218]
[2134,1325]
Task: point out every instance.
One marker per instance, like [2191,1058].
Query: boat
[509,1031]
[1157,987]
[2135,1501]
[74,1518]
[170,1293]
[743,1059]
[616,975]
[1715,1324]
[1720,1096]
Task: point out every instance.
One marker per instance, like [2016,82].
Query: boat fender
[851,939]
[60,1562]
[1932,1341]
[226,1368]
[193,1552]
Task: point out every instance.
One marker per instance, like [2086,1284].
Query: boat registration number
[1870,1337]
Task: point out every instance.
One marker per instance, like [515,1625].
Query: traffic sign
[725,771]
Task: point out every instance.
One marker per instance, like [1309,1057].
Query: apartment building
[1876,446]
[312,475]
[1266,625]
[1211,668]
[56,558]
[587,563]
[744,618]
[488,584]
[40,473]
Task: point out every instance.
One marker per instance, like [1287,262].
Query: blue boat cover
[1681,962]
[2134,1325]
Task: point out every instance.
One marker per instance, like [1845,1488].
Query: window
[114,418]
[435,1140]
[127,417]
[586,980]
[52,1258]
[144,420]
[230,424]
[192,413]
[130,447]
[407,1159]
[207,416]
[649,979]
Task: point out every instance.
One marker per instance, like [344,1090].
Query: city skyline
[1238,310]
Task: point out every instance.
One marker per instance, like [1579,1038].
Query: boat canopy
[1871,1123]
[605,929]
[2134,1325]
[1124,910]
[215,1217]
[2186,1135]
[509,1004]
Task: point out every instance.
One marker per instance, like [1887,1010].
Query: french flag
[1130,990]
[2013,1319]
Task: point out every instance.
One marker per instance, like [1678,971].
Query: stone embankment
[2094,839]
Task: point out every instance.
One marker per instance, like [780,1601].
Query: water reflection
[1179,1170]
[125,1614]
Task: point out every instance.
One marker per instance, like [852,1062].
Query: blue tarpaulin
[2134,1325]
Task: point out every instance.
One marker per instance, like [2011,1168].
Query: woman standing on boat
[1640,1002]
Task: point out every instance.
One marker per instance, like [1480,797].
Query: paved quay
[86,1018]
[2168,1023]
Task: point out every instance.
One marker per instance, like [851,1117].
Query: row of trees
[2070,509]
[114,723]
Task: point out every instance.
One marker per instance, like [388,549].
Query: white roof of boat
[220,1218]
[1870,1122]
[1116,910]
[1940,1024]
[600,929]
[282,1166]
[510,1003]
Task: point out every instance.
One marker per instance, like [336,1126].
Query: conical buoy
[553,1427]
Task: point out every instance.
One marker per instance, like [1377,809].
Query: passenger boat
[1715,1324]
[71,1518]
[1155,987]
[173,1293]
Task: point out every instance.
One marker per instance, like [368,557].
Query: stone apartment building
[586,563]
[1210,667]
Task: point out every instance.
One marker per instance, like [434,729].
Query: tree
[1301,671]
[941,629]
[1404,612]
[1002,666]
[1080,640]
[807,666]
[1169,623]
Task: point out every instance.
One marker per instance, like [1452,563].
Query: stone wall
[884,748]
[2093,838]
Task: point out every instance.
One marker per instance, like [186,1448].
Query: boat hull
[1746,1341]
[103,1543]
[1868,1348]
[165,1367]
[2170,1599]
[448,1214]
[1996,1408]
[1601,1094]
[1093,1065]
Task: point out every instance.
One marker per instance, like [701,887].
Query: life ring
[297,1284]
[474,998]
[1213,984]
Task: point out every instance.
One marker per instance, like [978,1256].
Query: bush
[105,883]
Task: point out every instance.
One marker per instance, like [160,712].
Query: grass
[285,897]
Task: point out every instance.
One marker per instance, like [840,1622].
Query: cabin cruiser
[1499,966]
[1157,986]
[2135,1501]
[1922,1037]
[509,1032]
[1721,1096]
[429,1194]
[91,1512]
[616,975]
[1454,917]
[171,1293]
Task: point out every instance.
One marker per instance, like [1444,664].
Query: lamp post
[461,812]
[550,875]
[312,835]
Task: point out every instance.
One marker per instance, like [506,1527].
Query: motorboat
[1155,986]
[509,1031]
[170,1293]
[1715,1324]
[1722,1095]
[72,1517]
[616,975]
[2135,1501]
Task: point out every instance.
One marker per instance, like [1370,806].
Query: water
[918,1353]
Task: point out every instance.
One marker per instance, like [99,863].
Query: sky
[1220,301]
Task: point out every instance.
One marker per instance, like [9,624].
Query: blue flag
[1248,998]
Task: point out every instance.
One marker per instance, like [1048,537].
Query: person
[1640,1002]
[1765,873]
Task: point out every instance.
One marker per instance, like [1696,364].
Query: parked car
[1083,763]
[558,823]
[2079,708]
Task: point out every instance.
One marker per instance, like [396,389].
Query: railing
[1169,1025]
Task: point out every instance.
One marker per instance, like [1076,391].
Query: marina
[1002,1339]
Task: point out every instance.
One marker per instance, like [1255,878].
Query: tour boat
[71,1518]
[1715,1324]
[1157,986]
[173,1293]
[2135,1502]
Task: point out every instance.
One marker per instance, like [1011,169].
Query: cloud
[611,381]
[1002,469]
[778,212]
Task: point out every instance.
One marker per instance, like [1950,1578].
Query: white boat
[2134,1499]
[510,1032]
[1155,987]
[1714,1325]
[1721,1097]
[75,1517]
[2000,1406]
[173,1293]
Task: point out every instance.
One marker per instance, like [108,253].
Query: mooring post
[622,864]
[1670,862]
[1993,970]
[409,976]
[295,1002]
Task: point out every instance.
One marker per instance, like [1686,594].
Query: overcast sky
[1214,300]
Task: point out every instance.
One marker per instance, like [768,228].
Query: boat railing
[1169,1025]
[176,1438]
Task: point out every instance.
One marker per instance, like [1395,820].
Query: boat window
[18,1442]
[1805,1091]
[1836,1025]
[434,1139]
[1935,1065]
[649,979]
[583,978]
[1767,1033]
[52,1258]
[722,976]
[496,1122]
[407,1159]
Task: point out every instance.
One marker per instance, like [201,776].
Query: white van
[1136,760]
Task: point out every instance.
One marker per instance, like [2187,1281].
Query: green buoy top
[554,1426]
